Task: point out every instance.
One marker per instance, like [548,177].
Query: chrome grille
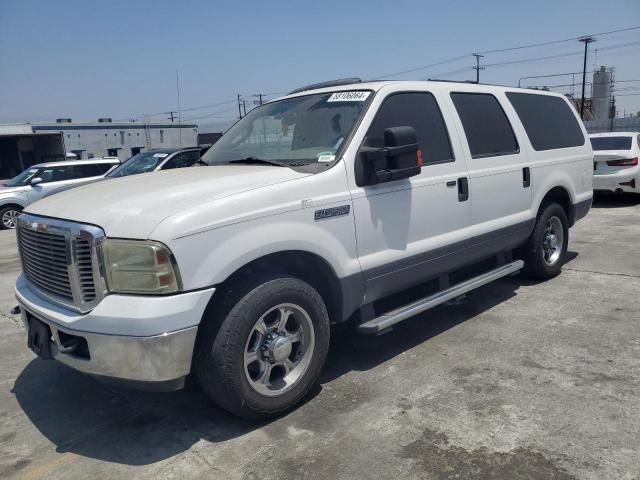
[84,265]
[45,261]
[59,258]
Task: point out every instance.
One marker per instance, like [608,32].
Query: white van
[615,161]
[315,209]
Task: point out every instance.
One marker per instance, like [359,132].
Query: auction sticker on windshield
[348,97]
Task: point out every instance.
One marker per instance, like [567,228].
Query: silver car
[41,180]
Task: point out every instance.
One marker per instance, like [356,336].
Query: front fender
[208,258]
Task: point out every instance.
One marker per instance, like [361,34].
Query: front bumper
[612,181]
[158,360]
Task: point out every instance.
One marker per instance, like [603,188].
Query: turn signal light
[627,162]
[419,157]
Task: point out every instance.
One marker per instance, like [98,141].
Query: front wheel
[267,352]
[546,248]
[9,217]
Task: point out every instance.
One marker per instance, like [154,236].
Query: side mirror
[400,158]
[35,181]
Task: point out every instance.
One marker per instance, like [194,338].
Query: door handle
[463,189]
[452,183]
[526,177]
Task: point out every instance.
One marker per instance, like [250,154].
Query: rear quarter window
[549,121]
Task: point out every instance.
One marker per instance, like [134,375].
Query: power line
[424,67]
[553,42]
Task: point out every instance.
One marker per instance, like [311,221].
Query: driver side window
[420,111]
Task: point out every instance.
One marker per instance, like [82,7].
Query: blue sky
[88,59]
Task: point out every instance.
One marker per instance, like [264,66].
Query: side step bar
[383,322]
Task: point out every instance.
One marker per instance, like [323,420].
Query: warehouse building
[23,145]
[119,139]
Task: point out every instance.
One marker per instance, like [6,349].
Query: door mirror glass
[35,181]
[399,158]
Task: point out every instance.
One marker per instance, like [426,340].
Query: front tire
[9,217]
[545,250]
[267,352]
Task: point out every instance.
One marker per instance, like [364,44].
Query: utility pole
[586,40]
[477,68]
[171,116]
[239,106]
[260,98]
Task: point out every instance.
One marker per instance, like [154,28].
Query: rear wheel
[547,246]
[9,217]
[268,350]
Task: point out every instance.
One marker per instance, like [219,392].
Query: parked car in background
[615,161]
[158,159]
[41,180]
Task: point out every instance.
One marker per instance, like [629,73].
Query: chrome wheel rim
[10,218]
[552,241]
[279,349]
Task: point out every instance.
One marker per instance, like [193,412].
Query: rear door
[499,170]
[403,226]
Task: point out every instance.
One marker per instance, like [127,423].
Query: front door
[406,229]
[53,178]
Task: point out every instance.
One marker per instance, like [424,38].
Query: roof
[112,161]
[49,126]
[613,134]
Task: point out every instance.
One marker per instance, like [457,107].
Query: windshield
[611,143]
[23,179]
[141,163]
[301,130]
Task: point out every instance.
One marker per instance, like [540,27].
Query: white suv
[315,209]
[39,181]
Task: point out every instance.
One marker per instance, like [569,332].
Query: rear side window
[420,111]
[548,121]
[486,126]
[93,170]
[611,143]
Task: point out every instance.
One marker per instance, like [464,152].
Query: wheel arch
[561,196]
[304,265]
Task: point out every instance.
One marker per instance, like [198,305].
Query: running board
[383,322]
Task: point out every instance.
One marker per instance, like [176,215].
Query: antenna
[179,112]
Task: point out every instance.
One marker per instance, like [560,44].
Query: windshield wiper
[258,160]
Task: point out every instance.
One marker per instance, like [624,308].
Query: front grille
[45,260]
[60,259]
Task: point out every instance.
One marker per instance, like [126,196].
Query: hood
[131,207]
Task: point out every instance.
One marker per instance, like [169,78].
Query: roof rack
[330,83]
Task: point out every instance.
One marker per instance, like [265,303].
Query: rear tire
[545,249]
[262,355]
[9,217]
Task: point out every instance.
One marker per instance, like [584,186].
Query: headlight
[137,266]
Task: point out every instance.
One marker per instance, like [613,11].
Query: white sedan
[615,161]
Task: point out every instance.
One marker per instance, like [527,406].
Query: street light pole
[586,40]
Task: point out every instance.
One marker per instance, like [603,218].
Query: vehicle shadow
[615,200]
[80,415]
